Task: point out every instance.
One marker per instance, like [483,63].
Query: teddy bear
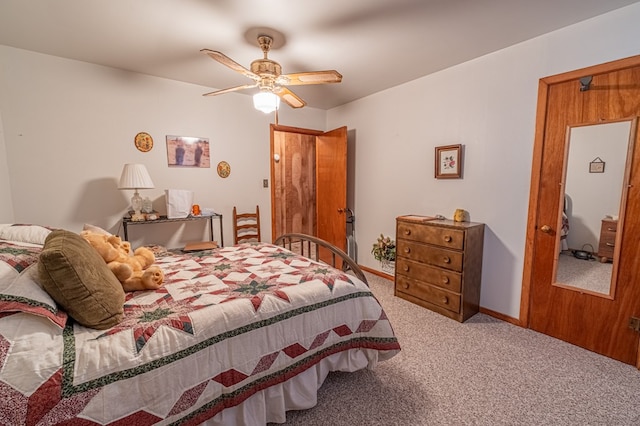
[135,271]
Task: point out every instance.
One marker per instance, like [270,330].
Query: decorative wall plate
[144,142]
[224,169]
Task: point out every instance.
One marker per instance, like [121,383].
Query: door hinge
[634,324]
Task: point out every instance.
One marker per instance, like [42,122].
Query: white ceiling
[374,44]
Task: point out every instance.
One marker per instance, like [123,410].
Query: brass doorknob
[546,229]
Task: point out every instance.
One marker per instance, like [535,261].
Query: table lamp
[135,176]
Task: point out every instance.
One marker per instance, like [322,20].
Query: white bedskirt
[297,393]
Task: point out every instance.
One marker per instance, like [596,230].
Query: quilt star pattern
[226,324]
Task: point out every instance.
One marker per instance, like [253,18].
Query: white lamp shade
[266,102]
[135,176]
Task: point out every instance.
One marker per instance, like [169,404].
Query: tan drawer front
[607,241]
[432,255]
[436,276]
[428,293]
[445,237]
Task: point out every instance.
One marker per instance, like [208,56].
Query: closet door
[293,186]
[597,321]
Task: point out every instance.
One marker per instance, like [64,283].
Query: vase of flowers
[384,251]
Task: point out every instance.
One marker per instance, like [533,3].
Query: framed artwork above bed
[187,151]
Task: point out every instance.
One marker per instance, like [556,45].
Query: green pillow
[79,280]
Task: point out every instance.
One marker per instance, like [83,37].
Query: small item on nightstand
[461,215]
[147,205]
[195,210]
[138,217]
[152,216]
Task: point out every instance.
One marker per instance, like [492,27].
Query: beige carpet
[482,372]
[586,274]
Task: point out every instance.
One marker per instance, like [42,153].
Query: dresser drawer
[444,278]
[606,245]
[431,255]
[607,242]
[428,293]
[440,236]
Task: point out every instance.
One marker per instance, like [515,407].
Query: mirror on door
[591,210]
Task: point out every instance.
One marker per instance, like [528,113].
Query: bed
[236,335]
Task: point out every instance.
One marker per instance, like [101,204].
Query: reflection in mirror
[595,176]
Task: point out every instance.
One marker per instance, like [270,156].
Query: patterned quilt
[226,324]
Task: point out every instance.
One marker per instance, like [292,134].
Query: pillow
[79,280]
[96,229]
[33,234]
[19,287]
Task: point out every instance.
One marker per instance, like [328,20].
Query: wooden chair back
[246,226]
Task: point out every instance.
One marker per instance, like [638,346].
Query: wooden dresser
[607,244]
[439,264]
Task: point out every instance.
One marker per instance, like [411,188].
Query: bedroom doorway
[599,322]
[309,183]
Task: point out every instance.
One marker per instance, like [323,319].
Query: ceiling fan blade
[311,77]
[290,98]
[227,61]
[231,89]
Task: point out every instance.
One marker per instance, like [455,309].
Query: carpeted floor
[482,372]
[586,274]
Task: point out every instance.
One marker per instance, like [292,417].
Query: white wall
[69,128]
[489,106]
[6,205]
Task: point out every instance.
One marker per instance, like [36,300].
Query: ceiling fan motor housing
[266,68]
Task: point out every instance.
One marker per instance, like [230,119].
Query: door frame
[536,172]
[325,155]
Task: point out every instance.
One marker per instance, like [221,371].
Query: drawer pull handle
[445,300]
[610,245]
[445,280]
[611,229]
[447,238]
[446,259]
[407,232]
[406,286]
[407,250]
[406,268]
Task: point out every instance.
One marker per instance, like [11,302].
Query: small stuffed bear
[134,271]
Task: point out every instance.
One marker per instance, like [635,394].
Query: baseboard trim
[502,317]
[376,272]
[494,314]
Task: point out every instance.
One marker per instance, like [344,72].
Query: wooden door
[331,187]
[309,182]
[293,188]
[596,322]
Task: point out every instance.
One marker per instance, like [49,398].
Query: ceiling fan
[267,75]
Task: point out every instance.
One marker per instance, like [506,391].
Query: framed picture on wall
[596,166]
[448,162]
[187,151]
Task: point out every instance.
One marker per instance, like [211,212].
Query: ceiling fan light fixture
[266,102]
